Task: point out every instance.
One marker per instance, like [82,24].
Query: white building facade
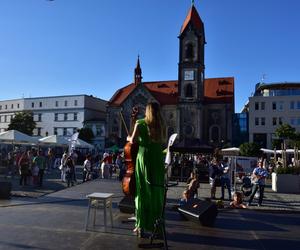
[60,115]
[272,105]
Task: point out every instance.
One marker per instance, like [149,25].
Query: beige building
[271,105]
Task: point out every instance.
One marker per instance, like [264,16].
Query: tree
[250,149]
[23,122]
[285,131]
[86,134]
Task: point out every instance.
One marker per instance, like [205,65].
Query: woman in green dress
[149,170]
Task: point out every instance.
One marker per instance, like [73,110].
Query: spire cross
[193,2]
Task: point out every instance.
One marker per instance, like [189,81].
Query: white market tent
[54,140]
[62,141]
[83,144]
[17,137]
[230,151]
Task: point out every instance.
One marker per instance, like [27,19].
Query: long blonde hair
[155,122]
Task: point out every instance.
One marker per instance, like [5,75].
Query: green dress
[149,174]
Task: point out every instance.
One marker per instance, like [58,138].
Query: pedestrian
[87,169]
[225,179]
[23,165]
[214,177]
[40,161]
[63,166]
[70,169]
[259,176]
[149,169]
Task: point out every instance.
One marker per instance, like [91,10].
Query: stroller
[246,187]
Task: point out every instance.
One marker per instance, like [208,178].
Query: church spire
[138,72]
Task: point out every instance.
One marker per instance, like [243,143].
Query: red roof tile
[192,17]
[166,92]
[219,89]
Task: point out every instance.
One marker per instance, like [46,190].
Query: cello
[130,154]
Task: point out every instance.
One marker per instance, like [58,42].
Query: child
[237,200]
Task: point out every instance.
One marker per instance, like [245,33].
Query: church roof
[216,90]
[219,90]
[166,92]
[192,17]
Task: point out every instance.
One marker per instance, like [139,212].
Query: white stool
[96,201]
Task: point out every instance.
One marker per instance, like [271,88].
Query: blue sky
[66,47]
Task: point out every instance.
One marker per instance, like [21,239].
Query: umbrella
[16,137]
[114,148]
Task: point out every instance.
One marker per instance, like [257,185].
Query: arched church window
[189,51]
[189,90]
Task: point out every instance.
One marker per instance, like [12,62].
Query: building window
[12,105]
[274,105]
[41,104]
[32,104]
[298,104]
[18,105]
[5,106]
[65,116]
[189,90]
[55,131]
[189,51]
[75,102]
[39,117]
[55,117]
[293,121]
[292,105]
[263,104]
[263,121]
[0,107]
[256,106]
[75,117]
[39,131]
[74,130]
[56,103]
[256,121]
[274,121]
[5,118]
[280,105]
[66,103]
[65,132]
[280,121]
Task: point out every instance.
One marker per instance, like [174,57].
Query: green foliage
[276,143]
[285,131]
[250,149]
[23,122]
[86,134]
[288,170]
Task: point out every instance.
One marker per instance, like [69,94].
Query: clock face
[189,75]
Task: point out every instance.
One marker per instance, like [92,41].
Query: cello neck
[124,123]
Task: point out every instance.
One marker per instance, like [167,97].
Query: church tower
[191,76]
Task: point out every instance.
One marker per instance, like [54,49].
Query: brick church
[195,107]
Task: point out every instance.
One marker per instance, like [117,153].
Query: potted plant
[286,179]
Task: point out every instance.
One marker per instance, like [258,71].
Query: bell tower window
[189,90]
[189,51]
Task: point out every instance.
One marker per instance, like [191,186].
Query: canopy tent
[62,141]
[191,146]
[17,137]
[54,140]
[230,151]
[268,151]
[83,144]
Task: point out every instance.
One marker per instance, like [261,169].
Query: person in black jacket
[214,176]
